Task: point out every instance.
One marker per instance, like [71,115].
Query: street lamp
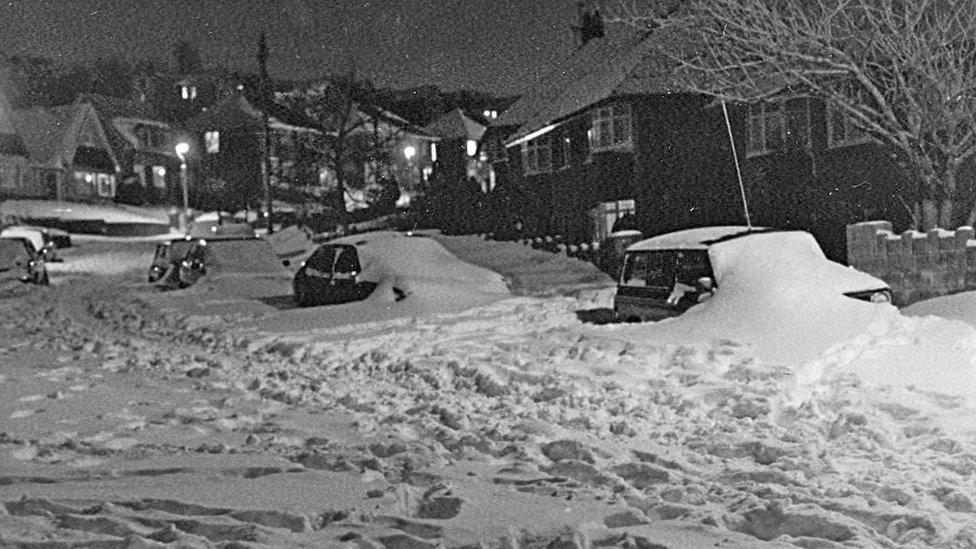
[181,149]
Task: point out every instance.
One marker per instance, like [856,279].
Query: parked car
[666,275]
[170,256]
[44,240]
[328,276]
[19,260]
[181,263]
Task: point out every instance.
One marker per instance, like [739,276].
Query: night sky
[491,45]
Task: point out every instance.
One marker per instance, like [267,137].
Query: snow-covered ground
[446,409]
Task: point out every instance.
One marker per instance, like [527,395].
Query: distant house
[406,153]
[608,131]
[13,156]
[144,147]
[230,151]
[69,155]
[462,174]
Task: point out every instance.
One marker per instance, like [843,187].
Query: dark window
[322,259]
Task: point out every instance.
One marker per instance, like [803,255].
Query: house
[398,150]
[229,150]
[69,155]
[608,130]
[462,174]
[144,147]
[13,154]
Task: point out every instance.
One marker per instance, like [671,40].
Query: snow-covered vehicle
[181,263]
[45,240]
[666,275]
[19,260]
[169,256]
[328,276]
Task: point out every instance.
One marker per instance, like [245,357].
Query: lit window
[106,185]
[212,141]
[537,156]
[472,147]
[433,152]
[841,129]
[159,177]
[610,128]
[188,92]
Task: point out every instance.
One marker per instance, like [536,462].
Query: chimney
[590,22]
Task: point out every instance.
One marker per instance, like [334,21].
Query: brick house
[609,125]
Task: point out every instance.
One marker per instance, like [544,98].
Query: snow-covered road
[508,419]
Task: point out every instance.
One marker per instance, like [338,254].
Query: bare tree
[354,134]
[904,71]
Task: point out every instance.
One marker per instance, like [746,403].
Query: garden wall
[916,265]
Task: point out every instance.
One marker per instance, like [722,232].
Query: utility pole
[266,146]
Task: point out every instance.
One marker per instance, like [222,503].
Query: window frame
[537,156]
[848,127]
[776,115]
[611,128]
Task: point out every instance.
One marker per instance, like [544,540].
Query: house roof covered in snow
[456,125]
[619,64]
[237,112]
[53,136]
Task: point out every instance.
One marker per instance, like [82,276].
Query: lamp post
[181,149]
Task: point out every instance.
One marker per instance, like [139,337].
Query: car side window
[347,261]
[660,269]
[691,266]
[322,259]
[635,270]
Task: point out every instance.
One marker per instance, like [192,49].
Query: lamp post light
[182,148]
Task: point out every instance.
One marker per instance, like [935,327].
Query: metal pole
[266,171]
[186,192]
[738,171]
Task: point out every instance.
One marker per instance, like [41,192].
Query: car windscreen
[242,256]
[648,268]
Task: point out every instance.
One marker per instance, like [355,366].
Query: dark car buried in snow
[328,276]
[666,275]
[20,261]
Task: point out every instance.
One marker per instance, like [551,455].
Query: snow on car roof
[698,238]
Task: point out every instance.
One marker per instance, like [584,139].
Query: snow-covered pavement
[222,414]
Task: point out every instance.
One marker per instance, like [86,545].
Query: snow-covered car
[666,275]
[169,256]
[328,276]
[45,240]
[188,260]
[19,260]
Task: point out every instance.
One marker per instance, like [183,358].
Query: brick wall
[916,265]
